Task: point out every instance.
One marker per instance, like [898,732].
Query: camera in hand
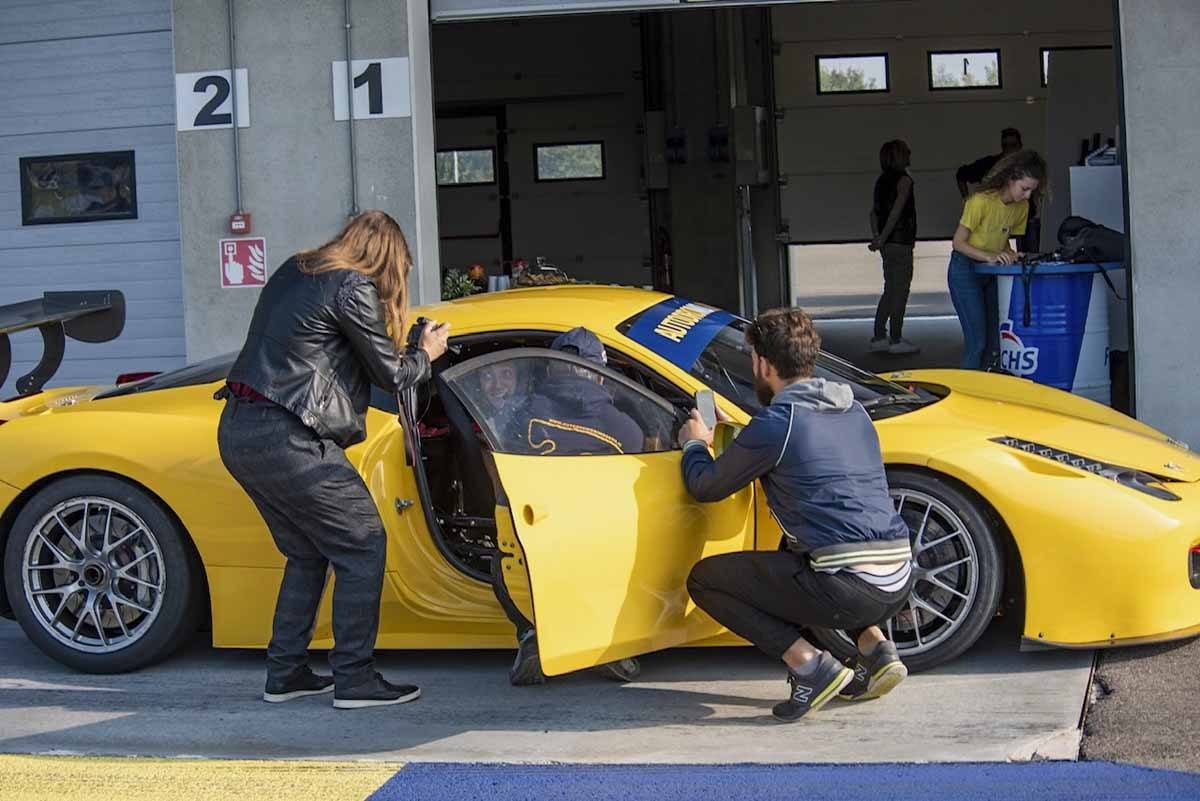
[416,332]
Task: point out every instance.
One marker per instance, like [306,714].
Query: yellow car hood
[1000,405]
[50,400]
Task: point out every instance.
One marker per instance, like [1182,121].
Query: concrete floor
[690,706]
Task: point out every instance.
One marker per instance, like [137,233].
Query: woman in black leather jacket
[329,323]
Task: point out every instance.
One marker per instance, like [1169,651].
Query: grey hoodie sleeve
[755,451]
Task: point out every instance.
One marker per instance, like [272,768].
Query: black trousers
[320,513]
[767,596]
[897,280]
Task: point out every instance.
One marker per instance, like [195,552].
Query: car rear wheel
[958,567]
[100,577]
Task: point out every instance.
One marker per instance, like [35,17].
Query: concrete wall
[1162,115]
[295,157]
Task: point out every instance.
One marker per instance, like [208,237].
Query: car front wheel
[100,577]
[958,567]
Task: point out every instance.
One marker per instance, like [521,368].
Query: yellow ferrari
[123,534]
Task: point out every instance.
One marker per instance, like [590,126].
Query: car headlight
[1125,476]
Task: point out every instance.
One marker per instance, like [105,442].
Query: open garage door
[947,78]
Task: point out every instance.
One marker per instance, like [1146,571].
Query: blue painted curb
[1060,781]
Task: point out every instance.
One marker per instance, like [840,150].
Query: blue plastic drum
[1065,343]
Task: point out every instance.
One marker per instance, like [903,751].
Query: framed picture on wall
[78,187]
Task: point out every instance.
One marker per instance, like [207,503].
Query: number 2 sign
[204,100]
[380,88]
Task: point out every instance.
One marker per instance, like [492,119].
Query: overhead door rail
[92,316]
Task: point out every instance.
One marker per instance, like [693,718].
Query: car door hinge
[402,504]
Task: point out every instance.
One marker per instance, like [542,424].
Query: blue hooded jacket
[817,454]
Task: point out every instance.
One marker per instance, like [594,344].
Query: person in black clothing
[974,173]
[894,234]
[329,323]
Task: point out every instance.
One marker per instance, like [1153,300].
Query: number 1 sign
[204,100]
[380,88]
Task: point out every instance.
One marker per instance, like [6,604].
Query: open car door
[596,529]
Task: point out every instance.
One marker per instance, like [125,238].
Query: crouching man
[847,560]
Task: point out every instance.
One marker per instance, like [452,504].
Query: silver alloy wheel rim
[946,567]
[94,575]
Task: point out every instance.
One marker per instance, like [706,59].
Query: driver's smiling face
[499,383]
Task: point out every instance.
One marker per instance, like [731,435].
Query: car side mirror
[723,436]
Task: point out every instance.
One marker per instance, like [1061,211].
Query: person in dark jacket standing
[894,235]
[329,323]
[847,559]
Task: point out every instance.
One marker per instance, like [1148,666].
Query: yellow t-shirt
[992,221]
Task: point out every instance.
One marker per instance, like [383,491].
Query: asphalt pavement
[1147,707]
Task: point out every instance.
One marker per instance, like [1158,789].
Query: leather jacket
[315,345]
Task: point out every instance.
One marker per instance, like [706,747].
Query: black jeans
[767,596]
[897,280]
[320,513]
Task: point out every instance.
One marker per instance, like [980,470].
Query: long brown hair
[1014,167]
[372,244]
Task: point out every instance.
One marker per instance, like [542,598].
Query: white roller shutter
[82,77]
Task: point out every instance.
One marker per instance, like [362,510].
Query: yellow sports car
[124,534]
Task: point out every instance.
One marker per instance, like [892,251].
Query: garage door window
[571,161]
[852,73]
[475,167]
[964,69]
[79,187]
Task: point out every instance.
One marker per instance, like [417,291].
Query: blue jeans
[967,294]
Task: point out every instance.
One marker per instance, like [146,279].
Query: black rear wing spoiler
[95,316]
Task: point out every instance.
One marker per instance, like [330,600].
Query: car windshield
[711,345]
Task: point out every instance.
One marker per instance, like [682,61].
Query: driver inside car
[505,388]
[574,414]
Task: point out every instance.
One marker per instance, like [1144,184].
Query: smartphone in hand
[707,406]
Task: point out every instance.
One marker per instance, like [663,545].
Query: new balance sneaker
[376,691]
[622,669]
[303,683]
[811,691]
[527,667]
[875,675]
[878,345]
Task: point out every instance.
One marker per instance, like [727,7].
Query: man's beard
[763,391]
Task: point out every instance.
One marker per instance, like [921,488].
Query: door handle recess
[533,514]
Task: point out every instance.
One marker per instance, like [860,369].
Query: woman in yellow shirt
[993,215]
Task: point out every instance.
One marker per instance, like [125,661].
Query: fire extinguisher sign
[243,262]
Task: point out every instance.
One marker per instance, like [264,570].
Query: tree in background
[851,79]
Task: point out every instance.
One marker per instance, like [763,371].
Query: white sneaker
[878,345]
[902,348]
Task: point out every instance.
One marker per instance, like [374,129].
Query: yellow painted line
[53,778]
